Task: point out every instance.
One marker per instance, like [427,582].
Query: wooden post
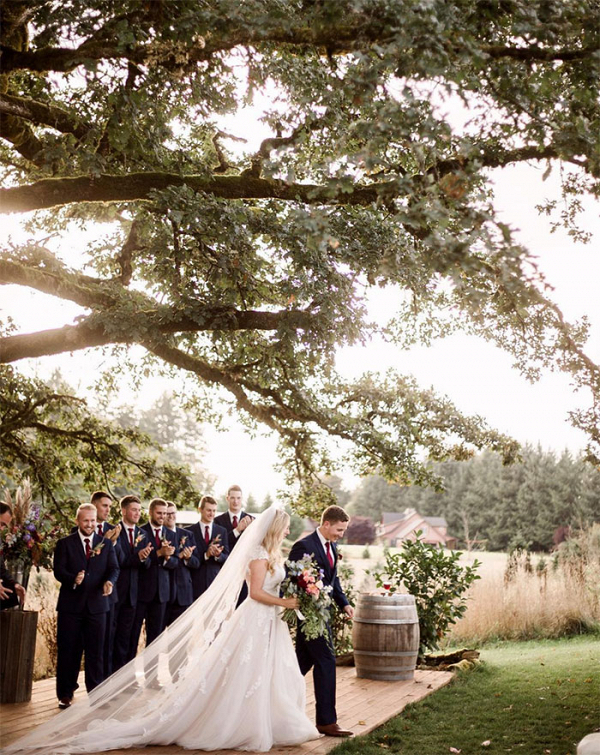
[17,653]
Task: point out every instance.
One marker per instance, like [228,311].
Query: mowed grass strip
[535,698]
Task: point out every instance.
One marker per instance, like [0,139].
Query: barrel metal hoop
[391,653]
[396,607]
[385,621]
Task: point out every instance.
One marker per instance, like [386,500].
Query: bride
[215,679]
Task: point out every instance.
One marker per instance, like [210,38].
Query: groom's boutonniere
[340,557]
[96,550]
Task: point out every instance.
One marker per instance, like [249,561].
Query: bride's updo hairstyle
[274,537]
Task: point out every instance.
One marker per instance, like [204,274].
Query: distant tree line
[531,504]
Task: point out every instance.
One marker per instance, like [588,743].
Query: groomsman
[134,556]
[182,593]
[86,566]
[154,586]
[211,546]
[103,503]
[318,654]
[235,522]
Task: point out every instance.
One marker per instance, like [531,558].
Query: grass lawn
[534,698]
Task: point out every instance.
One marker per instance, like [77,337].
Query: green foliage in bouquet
[437,581]
[304,581]
[341,624]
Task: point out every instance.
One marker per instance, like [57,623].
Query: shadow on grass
[534,698]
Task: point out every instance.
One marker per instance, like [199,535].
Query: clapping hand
[80,577]
[145,552]
[187,552]
[113,534]
[5,592]
[166,549]
[244,522]
[214,549]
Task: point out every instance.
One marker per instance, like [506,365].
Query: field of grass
[534,698]
[533,603]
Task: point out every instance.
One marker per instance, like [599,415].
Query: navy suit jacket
[114,596]
[130,564]
[224,520]
[312,545]
[69,560]
[209,568]
[182,592]
[154,581]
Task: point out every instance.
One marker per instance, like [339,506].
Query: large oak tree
[249,268]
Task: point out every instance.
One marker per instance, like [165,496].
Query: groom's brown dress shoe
[333,730]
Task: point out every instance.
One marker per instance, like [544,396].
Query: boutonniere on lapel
[164,541]
[139,538]
[339,555]
[96,549]
[182,542]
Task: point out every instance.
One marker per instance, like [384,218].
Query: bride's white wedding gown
[243,690]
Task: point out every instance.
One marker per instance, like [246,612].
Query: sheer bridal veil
[126,708]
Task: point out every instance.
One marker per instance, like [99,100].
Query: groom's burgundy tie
[234,521]
[88,550]
[329,556]
[157,538]
[206,535]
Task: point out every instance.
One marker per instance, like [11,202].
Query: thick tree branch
[211,374]
[136,326]
[54,192]
[42,114]
[351,34]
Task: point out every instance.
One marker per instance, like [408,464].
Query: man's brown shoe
[65,702]
[333,730]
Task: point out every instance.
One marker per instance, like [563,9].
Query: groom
[319,653]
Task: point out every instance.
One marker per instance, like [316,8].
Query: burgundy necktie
[157,538]
[206,535]
[130,530]
[88,550]
[100,529]
[234,521]
[329,556]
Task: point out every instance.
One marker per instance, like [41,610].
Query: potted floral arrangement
[30,538]
[29,541]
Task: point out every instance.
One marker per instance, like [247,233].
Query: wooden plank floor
[362,705]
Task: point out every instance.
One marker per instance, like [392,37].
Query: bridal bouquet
[304,580]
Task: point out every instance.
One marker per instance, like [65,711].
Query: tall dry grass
[536,597]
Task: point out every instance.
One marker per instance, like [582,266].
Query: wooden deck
[362,705]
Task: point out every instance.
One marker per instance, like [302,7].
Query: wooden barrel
[17,653]
[385,635]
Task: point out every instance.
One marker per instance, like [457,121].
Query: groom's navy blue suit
[82,610]
[318,653]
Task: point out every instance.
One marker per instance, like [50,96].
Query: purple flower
[26,537]
[31,527]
